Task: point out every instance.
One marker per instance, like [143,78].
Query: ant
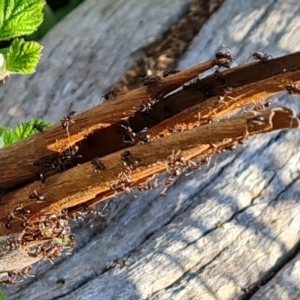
[65,121]
[12,245]
[166,73]
[9,218]
[57,162]
[292,90]
[9,281]
[148,105]
[69,154]
[8,225]
[263,57]
[151,82]
[22,210]
[131,137]
[262,106]
[148,186]
[110,95]
[39,127]
[38,196]
[99,166]
[129,160]
[224,59]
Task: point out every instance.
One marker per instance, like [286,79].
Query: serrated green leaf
[22,57]
[22,131]
[9,137]
[19,17]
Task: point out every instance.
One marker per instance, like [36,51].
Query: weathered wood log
[252,193]
[251,83]
[81,184]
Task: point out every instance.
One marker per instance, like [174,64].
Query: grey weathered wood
[180,251]
[285,285]
[84,55]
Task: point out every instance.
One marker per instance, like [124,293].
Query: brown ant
[8,225]
[148,186]
[9,218]
[224,59]
[20,209]
[65,121]
[99,166]
[37,196]
[131,137]
[9,281]
[263,57]
[151,82]
[57,162]
[12,245]
[291,89]
[166,73]
[110,95]
[24,272]
[129,160]
[69,153]
[147,106]
[262,106]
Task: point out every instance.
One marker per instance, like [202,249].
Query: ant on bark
[99,166]
[291,89]
[263,57]
[66,121]
[224,59]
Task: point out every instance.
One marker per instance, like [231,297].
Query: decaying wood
[60,193]
[82,183]
[252,192]
[256,81]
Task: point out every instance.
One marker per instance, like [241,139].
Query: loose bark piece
[55,139]
[82,183]
[261,172]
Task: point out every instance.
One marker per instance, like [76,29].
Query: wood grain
[181,249]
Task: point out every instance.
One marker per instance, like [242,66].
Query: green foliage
[22,57]
[2,296]
[19,17]
[50,20]
[22,131]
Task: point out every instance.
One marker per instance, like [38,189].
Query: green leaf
[2,295]
[22,131]
[19,17]
[22,57]
[49,21]
[2,129]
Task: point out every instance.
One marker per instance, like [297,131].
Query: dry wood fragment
[276,72]
[82,185]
